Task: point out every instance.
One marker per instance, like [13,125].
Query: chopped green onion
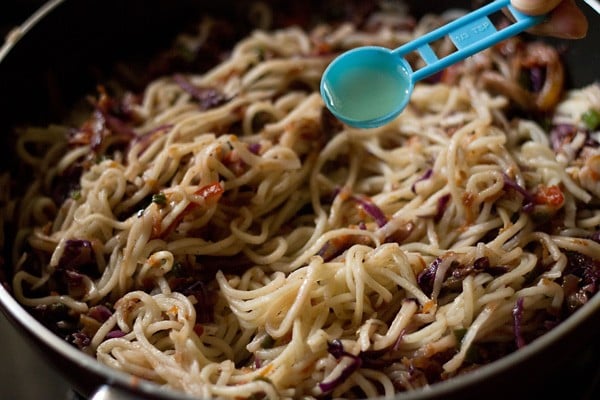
[591,119]
[159,198]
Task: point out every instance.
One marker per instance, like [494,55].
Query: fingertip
[535,7]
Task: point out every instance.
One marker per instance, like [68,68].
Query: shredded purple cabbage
[426,277]
[517,314]
[482,264]
[100,313]
[158,129]
[118,127]
[208,97]
[336,349]
[205,301]
[372,209]
[79,339]
[324,251]
[66,183]
[537,78]
[254,148]
[587,269]
[77,253]
[425,176]
[117,333]
[442,204]
[528,200]
[561,134]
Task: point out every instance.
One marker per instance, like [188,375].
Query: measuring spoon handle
[470,34]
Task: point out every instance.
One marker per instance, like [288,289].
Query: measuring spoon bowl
[367,86]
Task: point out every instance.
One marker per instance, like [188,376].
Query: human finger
[565,21]
[535,7]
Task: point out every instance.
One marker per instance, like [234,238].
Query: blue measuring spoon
[369,86]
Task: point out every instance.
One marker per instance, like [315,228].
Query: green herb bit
[591,119]
[263,378]
[101,158]
[159,198]
[260,52]
[460,334]
[267,342]
[75,194]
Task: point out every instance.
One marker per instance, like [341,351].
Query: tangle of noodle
[255,246]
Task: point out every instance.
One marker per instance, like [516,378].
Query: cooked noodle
[226,237]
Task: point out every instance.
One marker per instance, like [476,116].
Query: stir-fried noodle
[222,234]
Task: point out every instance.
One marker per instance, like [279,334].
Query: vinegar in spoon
[367,92]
